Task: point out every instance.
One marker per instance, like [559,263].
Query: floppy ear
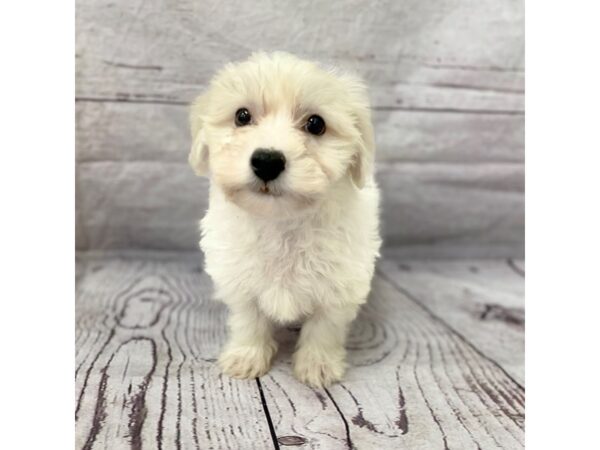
[198,157]
[361,169]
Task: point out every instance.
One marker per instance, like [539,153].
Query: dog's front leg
[320,357]
[251,346]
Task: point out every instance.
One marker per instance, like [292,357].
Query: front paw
[317,368]
[246,361]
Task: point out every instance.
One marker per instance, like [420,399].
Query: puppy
[291,233]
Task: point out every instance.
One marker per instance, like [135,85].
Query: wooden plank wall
[446,80]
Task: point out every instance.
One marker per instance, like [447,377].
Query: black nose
[267,164]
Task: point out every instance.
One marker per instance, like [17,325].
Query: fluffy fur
[304,251]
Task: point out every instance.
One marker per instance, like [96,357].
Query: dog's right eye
[242,117]
[315,125]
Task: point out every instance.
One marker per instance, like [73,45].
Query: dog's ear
[362,165]
[198,157]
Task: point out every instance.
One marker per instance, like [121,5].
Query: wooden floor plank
[148,338]
[518,265]
[301,414]
[482,300]
[415,384]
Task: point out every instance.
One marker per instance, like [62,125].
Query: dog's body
[298,242]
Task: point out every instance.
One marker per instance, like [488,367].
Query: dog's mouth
[269,199]
[267,189]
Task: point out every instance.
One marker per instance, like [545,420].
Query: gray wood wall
[446,79]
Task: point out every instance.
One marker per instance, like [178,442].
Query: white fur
[304,251]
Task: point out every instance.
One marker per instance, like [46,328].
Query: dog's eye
[242,117]
[315,125]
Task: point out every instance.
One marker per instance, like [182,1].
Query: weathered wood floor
[436,362]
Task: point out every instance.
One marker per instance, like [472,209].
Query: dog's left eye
[315,125]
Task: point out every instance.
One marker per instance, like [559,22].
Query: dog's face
[276,132]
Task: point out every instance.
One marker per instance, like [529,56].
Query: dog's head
[276,132]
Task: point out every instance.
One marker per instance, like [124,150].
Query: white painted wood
[148,335]
[452,203]
[518,266]
[446,83]
[413,383]
[300,413]
[147,204]
[482,300]
[135,189]
[146,376]
[415,54]
[126,131]
[142,204]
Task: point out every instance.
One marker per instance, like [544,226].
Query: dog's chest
[288,272]
[290,258]
[294,272]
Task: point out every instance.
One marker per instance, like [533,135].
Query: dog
[291,234]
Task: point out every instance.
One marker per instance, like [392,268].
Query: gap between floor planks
[364,429]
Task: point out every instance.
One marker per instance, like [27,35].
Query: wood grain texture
[157,205]
[147,336]
[125,131]
[446,82]
[414,54]
[483,300]
[144,204]
[145,372]
[431,382]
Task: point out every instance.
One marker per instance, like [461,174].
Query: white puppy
[291,233]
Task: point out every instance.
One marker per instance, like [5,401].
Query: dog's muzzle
[267,164]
